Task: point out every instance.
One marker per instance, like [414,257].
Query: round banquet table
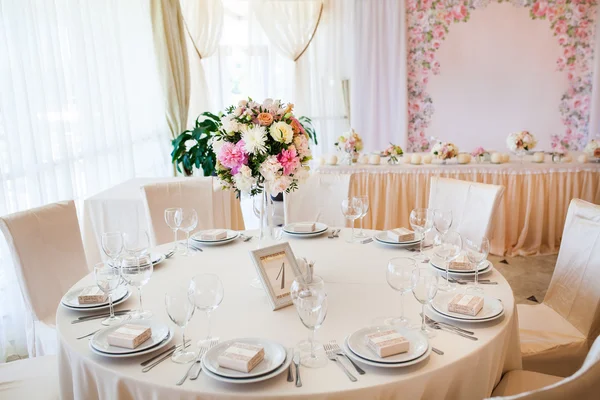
[358,294]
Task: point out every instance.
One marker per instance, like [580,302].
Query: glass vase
[266,212]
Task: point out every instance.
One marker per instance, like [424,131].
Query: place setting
[305,229]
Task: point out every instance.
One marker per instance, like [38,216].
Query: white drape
[80,110]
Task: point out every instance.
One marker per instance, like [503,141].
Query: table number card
[277,268]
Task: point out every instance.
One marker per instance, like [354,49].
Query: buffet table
[532,212]
[358,293]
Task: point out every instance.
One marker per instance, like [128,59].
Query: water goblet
[399,277]
[421,221]
[108,279]
[180,310]
[173,220]
[424,288]
[448,249]
[136,242]
[352,209]
[477,250]
[365,208]
[310,301]
[189,221]
[136,271]
[112,245]
[442,220]
[206,293]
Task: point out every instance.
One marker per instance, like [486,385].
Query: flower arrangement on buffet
[393,151]
[350,143]
[444,150]
[592,149]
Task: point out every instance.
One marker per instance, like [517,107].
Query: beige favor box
[129,336]
[213,234]
[387,343]
[241,357]
[466,304]
[401,235]
[91,295]
[304,227]
[461,263]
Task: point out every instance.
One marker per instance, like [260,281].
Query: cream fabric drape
[204,24]
[170,46]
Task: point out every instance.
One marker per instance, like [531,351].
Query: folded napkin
[304,227]
[213,234]
[129,336]
[401,235]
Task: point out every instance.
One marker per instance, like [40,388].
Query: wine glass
[206,293]
[173,220]
[399,277]
[448,249]
[112,245]
[310,300]
[136,271]
[421,221]
[477,251]
[442,220]
[108,280]
[365,208]
[424,288]
[136,242]
[180,309]
[189,221]
[352,209]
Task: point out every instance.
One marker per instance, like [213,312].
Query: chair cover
[31,378]
[473,204]
[582,385]
[48,255]
[205,195]
[556,335]
[320,196]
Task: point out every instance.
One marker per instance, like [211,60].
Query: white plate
[320,228]
[231,235]
[382,238]
[463,274]
[439,264]
[492,308]
[99,341]
[69,300]
[282,368]
[274,356]
[383,365]
[418,345]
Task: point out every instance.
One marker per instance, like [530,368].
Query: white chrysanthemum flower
[255,139]
[270,168]
[244,180]
[230,125]
[282,132]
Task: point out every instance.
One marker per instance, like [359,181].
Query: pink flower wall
[572,23]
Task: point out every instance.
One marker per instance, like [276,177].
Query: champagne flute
[442,220]
[310,301]
[180,310]
[399,277]
[173,220]
[189,221]
[424,288]
[136,271]
[421,220]
[365,208]
[108,279]
[352,208]
[477,252]
[112,245]
[206,293]
[448,249]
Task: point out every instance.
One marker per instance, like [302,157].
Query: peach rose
[265,119]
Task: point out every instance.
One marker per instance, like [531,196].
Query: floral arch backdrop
[572,23]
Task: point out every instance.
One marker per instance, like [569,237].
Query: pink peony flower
[438,32]
[233,156]
[561,27]
[459,12]
[289,160]
[539,8]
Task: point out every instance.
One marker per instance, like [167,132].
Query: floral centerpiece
[521,142]
[351,144]
[592,149]
[444,151]
[393,152]
[479,154]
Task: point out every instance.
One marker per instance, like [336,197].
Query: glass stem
[141,307]
[447,270]
[421,245]
[402,306]
[423,326]
[361,226]
[174,239]
[476,274]
[208,325]
[187,242]
[110,304]
[311,340]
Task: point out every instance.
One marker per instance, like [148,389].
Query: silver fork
[187,373]
[213,343]
[339,352]
[334,357]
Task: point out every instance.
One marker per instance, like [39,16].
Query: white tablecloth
[358,293]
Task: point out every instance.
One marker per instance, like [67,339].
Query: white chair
[527,385]
[556,335]
[31,378]
[216,208]
[472,204]
[320,196]
[48,255]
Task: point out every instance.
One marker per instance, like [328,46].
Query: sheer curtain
[80,110]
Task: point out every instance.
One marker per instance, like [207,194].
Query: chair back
[472,204]
[574,290]
[47,251]
[320,196]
